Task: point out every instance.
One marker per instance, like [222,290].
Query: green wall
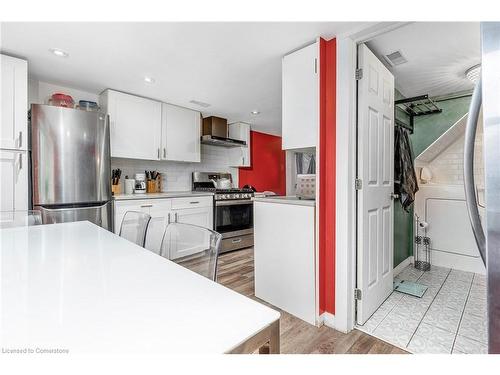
[429,128]
[426,130]
[403,221]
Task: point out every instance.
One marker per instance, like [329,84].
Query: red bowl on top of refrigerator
[62,100]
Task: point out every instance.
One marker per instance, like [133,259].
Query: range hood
[215,133]
[221,141]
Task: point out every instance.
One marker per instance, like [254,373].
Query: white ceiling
[438,55]
[236,67]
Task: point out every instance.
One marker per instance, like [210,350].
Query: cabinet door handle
[175,217]
[315,65]
[20,161]
[158,153]
[164,152]
[236,241]
[146,205]
[20,139]
[168,218]
[194,202]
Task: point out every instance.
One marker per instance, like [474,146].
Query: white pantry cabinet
[180,134]
[14,99]
[300,98]
[14,180]
[135,125]
[196,210]
[240,156]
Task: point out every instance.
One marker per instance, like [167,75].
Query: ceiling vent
[395,58]
[201,104]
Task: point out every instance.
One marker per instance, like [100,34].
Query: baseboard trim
[401,266]
[328,319]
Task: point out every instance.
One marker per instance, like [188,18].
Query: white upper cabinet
[180,134]
[300,85]
[240,156]
[135,125]
[14,98]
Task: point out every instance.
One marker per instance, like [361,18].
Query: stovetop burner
[223,191]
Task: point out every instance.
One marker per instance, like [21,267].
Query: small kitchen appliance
[140,183]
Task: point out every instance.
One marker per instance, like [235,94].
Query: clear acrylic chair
[134,227]
[193,247]
[11,219]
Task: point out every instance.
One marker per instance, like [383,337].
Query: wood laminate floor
[236,272]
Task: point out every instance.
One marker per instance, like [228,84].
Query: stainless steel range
[233,213]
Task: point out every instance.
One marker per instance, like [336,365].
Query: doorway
[396,69]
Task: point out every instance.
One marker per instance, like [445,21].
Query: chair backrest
[193,247]
[11,219]
[134,227]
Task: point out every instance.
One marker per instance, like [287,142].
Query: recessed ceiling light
[149,79]
[255,113]
[473,73]
[59,52]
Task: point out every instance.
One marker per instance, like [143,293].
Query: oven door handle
[233,202]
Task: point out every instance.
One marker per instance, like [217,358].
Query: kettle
[222,183]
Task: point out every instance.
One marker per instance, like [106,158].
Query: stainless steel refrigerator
[71,165]
[487,94]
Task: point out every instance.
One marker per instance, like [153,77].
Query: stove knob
[237,196]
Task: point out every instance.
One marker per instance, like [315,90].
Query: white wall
[178,175]
[45,91]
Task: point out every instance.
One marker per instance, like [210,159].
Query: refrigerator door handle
[75,208]
[469,184]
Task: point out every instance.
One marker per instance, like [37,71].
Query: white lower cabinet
[14,180]
[195,210]
[284,254]
[191,242]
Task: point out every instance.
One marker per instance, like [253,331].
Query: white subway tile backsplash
[177,175]
[447,167]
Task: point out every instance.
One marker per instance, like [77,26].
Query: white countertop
[77,286]
[288,199]
[169,194]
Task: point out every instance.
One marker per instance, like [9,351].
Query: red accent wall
[327,171]
[268,171]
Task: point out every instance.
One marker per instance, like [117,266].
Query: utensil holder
[150,186]
[116,189]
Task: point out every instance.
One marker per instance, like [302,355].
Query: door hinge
[359,74]
[357,294]
[358,184]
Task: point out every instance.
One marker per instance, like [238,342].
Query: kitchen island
[76,287]
[285,255]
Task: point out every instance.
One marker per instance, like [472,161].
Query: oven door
[234,216]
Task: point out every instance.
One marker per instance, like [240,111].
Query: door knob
[394,196]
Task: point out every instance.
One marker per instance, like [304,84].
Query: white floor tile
[476,307]
[465,345]
[443,317]
[396,329]
[430,339]
[474,327]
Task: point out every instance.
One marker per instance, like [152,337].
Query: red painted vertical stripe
[327,159]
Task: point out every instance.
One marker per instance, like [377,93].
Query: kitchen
[170,163]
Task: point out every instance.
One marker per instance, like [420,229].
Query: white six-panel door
[376,171]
